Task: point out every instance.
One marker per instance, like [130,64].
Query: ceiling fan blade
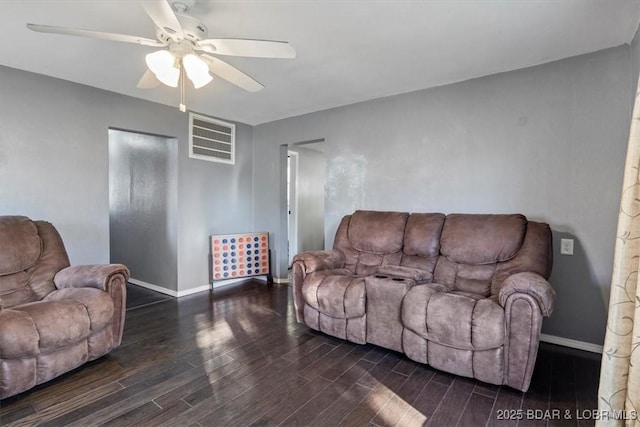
[163,16]
[250,48]
[95,34]
[232,74]
[148,81]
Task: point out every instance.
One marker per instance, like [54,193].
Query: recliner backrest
[31,253]
[478,252]
[422,241]
[370,239]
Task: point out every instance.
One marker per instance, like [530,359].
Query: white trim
[179,294]
[222,283]
[194,290]
[567,342]
[278,280]
[154,287]
[166,291]
[293,159]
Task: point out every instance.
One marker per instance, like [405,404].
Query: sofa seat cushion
[336,293]
[454,319]
[18,335]
[57,323]
[97,303]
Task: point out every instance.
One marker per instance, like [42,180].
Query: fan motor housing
[192,29]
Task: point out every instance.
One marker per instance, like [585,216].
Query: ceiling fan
[182,39]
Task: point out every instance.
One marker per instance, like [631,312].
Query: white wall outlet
[566,246]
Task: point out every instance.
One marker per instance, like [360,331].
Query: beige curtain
[619,393]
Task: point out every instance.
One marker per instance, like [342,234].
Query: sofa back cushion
[377,232]
[482,239]
[21,245]
[29,263]
[370,239]
[475,248]
[422,241]
[535,255]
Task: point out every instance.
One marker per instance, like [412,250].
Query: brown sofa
[53,317]
[464,293]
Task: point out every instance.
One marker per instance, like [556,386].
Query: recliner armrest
[531,284]
[89,276]
[320,260]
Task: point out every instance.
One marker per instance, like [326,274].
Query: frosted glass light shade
[197,70]
[162,64]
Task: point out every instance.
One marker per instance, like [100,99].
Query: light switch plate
[566,246]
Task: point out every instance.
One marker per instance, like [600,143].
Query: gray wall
[54,166]
[311,180]
[143,204]
[548,141]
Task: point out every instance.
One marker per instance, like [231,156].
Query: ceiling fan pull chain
[183,107]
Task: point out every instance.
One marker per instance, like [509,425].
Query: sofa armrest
[89,276]
[111,278]
[305,263]
[320,260]
[531,284]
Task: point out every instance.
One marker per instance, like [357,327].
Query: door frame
[292,205]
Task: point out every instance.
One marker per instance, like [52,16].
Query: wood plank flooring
[238,358]
[138,296]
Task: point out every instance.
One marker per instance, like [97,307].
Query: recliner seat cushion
[18,335]
[58,323]
[98,304]
[454,319]
[335,293]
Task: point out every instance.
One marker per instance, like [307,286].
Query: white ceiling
[348,51]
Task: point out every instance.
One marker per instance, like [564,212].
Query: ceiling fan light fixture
[163,64]
[170,77]
[197,70]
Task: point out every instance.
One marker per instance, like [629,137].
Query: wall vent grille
[211,139]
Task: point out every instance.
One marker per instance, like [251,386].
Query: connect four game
[239,255]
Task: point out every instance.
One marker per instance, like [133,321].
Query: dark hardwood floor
[238,357]
[138,296]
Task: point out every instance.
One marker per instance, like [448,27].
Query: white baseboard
[279,280]
[194,290]
[223,283]
[154,287]
[216,285]
[567,342]
[169,292]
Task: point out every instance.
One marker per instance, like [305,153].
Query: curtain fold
[619,390]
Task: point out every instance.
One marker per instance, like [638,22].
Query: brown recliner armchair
[53,317]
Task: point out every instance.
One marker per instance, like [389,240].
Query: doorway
[305,197]
[143,207]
